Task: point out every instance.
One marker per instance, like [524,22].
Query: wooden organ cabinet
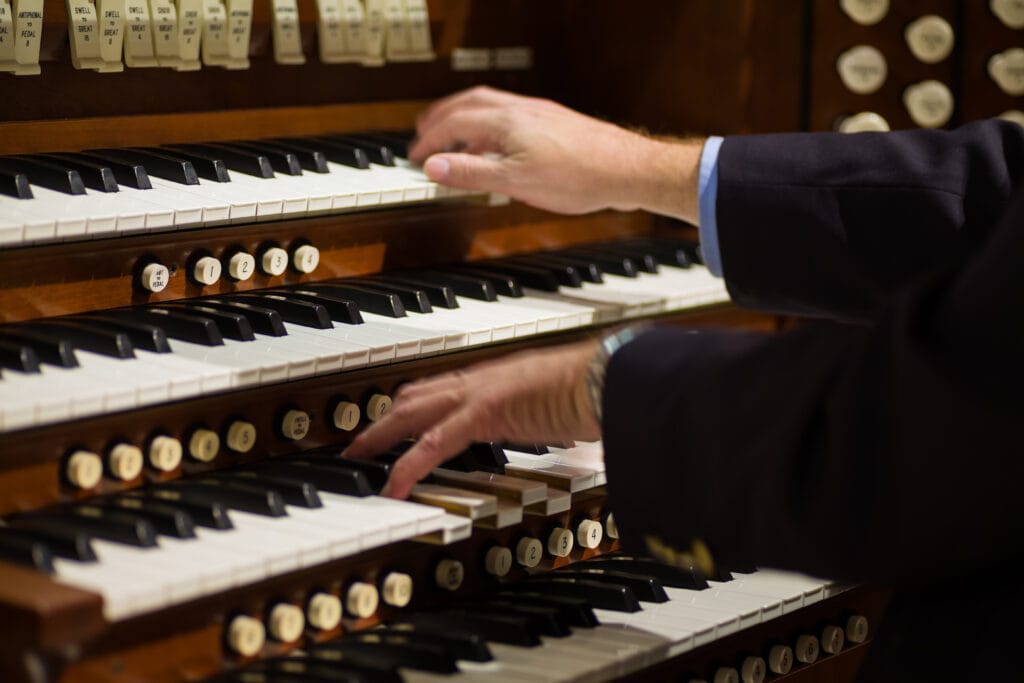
[180,346]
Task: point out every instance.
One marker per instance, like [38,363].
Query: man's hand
[551,157]
[529,397]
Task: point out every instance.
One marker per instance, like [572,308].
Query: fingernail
[437,168]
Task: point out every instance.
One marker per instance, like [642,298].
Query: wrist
[597,367]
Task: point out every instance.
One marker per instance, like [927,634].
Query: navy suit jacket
[886,447]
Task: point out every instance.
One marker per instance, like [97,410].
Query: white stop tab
[138,35]
[83,34]
[286,35]
[6,34]
[190,32]
[26,18]
[215,33]
[239,31]
[111,22]
[376,32]
[164,16]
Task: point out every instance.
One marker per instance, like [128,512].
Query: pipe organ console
[218,265]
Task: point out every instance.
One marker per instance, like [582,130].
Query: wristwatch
[597,368]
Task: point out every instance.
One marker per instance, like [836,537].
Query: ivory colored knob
[780,659]
[154,277]
[498,561]
[84,469]
[449,574]
[306,258]
[125,461]
[295,425]
[1014,115]
[1010,12]
[529,552]
[206,271]
[865,12]
[862,69]
[832,639]
[245,636]
[396,589]
[930,38]
[203,445]
[752,670]
[241,436]
[241,266]
[323,611]
[376,406]
[346,416]
[864,122]
[589,533]
[361,600]
[274,261]
[807,649]
[165,453]
[857,628]
[726,674]
[611,529]
[1007,70]
[286,623]
[929,103]
[560,542]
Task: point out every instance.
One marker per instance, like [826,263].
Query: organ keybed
[211,278]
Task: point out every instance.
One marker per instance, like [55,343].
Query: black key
[14,184]
[610,263]
[576,611]
[644,260]
[127,173]
[540,273]
[204,512]
[94,174]
[47,347]
[398,145]
[18,356]
[461,283]
[503,283]
[508,629]
[375,472]
[489,456]
[207,164]
[375,152]
[45,174]
[294,490]
[167,519]
[62,541]
[176,324]
[588,271]
[404,651]
[142,335]
[320,671]
[438,294]
[347,482]
[545,620]
[248,498]
[340,309]
[336,152]
[243,161]
[231,325]
[24,550]
[601,595]
[367,299]
[281,160]
[413,299]
[467,646]
[646,588]
[173,168]
[532,448]
[119,527]
[292,310]
[86,336]
[310,158]
[262,319]
[667,574]
[667,253]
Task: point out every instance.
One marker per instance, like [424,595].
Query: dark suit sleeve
[833,225]
[883,451]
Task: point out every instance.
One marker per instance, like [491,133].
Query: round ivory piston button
[726,674]
[241,266]
[346,416]
[752,670]
[396,589]
[376,406]
[832,639]
[125,461]
[589,534]
[206,271]
[857,628]
[560,542]
[241,436]
[929,103]
[807,649]
[286,623]
[862,69]
[529,552]
[361,600]
[165,453]
[245,636]
[449,574]
[1013,115]
[865,12]
[930,38]
[324,611]
[204,445]
[864,122]
[295,425]
[306,258]
[1010,12]
[780,659]
[498,561]
[84,469]
[154,277]
[274,261]
[1007,70]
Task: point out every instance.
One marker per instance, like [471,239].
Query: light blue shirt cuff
[707,195]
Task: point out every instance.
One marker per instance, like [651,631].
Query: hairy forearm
[661,176]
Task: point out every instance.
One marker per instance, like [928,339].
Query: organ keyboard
[210,280]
